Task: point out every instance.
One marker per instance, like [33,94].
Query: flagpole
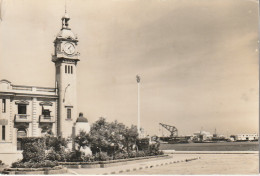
[138,105]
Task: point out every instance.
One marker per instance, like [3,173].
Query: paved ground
[210,164]
[239,163]
[132,167]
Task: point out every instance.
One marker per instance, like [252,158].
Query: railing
[46,119]
[45,89]
[22,118]
[27,88]
[33,88]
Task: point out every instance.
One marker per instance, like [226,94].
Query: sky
[198,59]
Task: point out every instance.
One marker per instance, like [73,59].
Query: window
[20,134]
[71,70]
[3,105]
[65,68]
[46,113]
[21,109]
[68,113]
[68,69]
[3,132]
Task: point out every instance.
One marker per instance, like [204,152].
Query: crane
[172,129]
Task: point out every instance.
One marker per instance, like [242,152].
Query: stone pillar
[55,131]
[34,118]
[11,120]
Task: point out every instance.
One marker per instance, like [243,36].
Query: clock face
[69,48]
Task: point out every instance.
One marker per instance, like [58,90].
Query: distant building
[202,136]
[245,137]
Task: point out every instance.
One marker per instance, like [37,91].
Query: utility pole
[138,79]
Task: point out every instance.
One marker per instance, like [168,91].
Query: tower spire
[65,6]
[65,19]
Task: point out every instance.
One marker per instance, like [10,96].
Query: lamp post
[138,79]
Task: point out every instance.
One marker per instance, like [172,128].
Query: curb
[209,152]
[147,166]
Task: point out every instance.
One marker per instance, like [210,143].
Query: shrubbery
[102,156]
[33,149]
[45,163]
[120,155]
[41,152]
[107,141]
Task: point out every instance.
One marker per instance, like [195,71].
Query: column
[34,118]
[11,119]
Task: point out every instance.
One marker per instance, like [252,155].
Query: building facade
[31,111]
[246,137]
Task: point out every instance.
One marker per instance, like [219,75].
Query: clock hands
[69,49]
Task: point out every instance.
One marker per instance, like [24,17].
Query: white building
[246,137]
[202,136]
[31,111]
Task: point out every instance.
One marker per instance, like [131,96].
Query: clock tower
[65,58]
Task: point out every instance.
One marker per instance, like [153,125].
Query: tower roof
[81,118]
[65,32]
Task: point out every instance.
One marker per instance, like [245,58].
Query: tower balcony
[46,119]
[22,118]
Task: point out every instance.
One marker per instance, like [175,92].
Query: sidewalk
[132,167]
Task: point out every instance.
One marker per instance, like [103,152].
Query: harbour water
[220,146]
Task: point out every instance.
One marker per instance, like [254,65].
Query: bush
[34,149]
[140,154]
[88,158]
[102,156]
[46,163]
[75,156]
[57,156]
[120,155]
[154,149]
[132,154]
[56,143]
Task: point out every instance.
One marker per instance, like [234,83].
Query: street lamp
[138,79]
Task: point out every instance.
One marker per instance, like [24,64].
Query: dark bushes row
[103,156]
[45,163]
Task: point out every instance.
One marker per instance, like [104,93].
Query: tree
[130,138]
[112,137]
[82,140]
[105,136]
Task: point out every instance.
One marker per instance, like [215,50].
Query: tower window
[68,113]
[68,69]
[3,132]
[65,68]
[3,105]
[21,109]
[71,70]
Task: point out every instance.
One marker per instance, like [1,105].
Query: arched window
[65,68]
[71,69]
